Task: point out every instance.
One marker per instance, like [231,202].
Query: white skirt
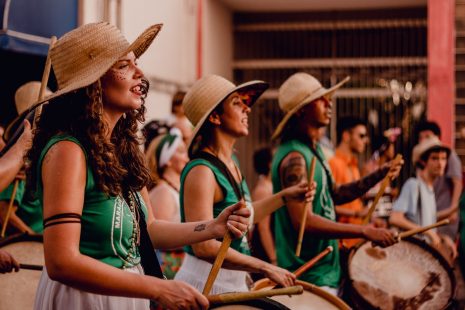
[195,272]
[55,295]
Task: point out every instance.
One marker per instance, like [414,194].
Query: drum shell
[328,301]
[359,302]
[18,289]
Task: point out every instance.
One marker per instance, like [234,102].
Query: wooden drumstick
[419,230]
[303,220]
[43,85]
[243,296]
[218,260]
[313,261]
[44,82]
[31,267]
[380,193]
[10,208]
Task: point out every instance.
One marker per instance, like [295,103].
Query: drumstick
[303,220]
[243,296]
[218,260]
[44,82]
[380,193]
[419,230]
[31,267]
[312,262]
[10,208]
[43,85]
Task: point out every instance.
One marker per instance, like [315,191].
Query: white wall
[217,39]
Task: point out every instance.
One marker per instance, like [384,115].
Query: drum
[18,289]
[261,303]
[313,297]
[407,275]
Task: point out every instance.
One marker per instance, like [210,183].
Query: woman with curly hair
[88,172]
[166,157]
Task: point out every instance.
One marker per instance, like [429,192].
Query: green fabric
[107,222]
[29,209]
[327,272]
[240,244]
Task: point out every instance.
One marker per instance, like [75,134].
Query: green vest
[240,244]
[327,272]
[29,209]
[107,224]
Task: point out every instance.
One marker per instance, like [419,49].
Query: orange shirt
[345,170]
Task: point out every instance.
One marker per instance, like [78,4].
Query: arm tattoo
[293,171]
[200,227]
[351,191]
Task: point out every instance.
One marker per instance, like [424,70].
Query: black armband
[62,218]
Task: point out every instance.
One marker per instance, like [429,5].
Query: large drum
[313,297]
[18,289]
[261,303]
[408,275]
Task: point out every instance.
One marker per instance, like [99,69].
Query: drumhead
[18,288]
[260,303]
[409,274]
[313,297]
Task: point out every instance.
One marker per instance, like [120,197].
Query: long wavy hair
[118,164]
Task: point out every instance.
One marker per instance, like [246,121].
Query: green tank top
[29,208]
[107,224]
[327,272]
[240,244]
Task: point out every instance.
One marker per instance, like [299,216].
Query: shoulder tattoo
[293,171]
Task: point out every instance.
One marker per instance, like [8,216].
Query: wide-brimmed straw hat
[26,95]
[429,144]
[296,92]
[208,92]
[83,55]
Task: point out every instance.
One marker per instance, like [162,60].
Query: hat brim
[433,148]
[139,46]
[318,94]
[258,86]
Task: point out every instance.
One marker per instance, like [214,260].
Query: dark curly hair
[118,164]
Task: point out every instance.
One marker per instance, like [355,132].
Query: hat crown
[204,95]
[295,89]
[80,51]
[26,95]
[424,146]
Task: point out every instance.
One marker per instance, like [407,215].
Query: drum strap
[61,219]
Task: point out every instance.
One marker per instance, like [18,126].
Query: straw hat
[81,56]
[430,144]
[25,96]
[208,92]
[296,92]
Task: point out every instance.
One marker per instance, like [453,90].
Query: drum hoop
[422,244]
[22,237]
[263,283]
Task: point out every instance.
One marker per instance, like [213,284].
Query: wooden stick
[31,267]
[419,230]
[218,261]
[43,85]
[380,193]
[10,208]
[44,82]
[303,220]
[313,261]
[237,297]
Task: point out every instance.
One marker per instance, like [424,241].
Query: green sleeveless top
[240,244]
[29,208]
[107,224]
[327,272]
